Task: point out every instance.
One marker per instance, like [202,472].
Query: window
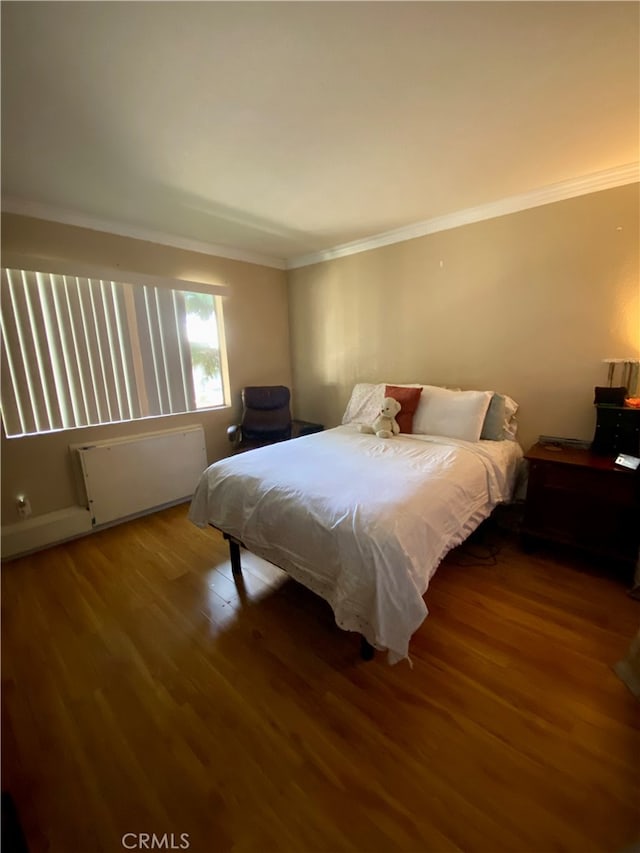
[80,351]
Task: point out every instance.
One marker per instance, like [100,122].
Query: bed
[362,521]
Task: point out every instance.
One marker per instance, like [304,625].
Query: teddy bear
[385,425]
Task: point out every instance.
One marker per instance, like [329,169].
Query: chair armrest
[234,433]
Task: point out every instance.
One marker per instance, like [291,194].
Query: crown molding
[51,213]
[604,180]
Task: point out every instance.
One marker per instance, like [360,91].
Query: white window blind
[78,351]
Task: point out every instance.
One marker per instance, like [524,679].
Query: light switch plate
[628,461]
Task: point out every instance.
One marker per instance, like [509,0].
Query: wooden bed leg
[367,651]
[234,555]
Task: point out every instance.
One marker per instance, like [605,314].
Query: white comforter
[362,521]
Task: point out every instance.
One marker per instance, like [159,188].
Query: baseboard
[40,531]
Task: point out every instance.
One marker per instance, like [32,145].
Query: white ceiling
[289,128]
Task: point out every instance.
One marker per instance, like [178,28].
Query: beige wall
[526,304]
[257,331]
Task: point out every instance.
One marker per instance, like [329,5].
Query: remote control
[628,461]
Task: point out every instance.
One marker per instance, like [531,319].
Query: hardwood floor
[143,692]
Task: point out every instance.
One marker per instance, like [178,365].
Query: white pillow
[364,404]
[511,429]
[456,414]
[511,422]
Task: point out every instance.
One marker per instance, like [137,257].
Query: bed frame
[367,651]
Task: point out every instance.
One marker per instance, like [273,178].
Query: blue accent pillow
[493,426]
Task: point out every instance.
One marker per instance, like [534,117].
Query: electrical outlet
[24,506]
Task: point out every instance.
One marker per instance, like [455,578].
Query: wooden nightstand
[578,498]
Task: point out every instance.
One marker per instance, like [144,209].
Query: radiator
[130,476]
